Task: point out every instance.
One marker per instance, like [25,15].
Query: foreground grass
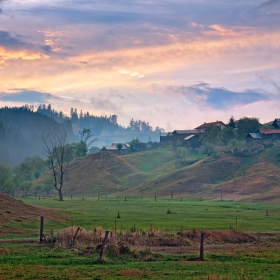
[32,261]
[147,213]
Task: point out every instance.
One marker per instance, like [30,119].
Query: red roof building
[269,131]
[204,126]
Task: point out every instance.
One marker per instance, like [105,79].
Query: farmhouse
[269,134]
[276,123]
[124,145]
[166,139]
[192,141]
[113,149]
[140,146]
[254,138]
[263,136]
[180,135]
[202,128]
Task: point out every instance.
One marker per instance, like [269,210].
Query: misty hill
[21,130]
[254,178]
[106,128]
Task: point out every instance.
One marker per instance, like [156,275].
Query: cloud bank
[111,53]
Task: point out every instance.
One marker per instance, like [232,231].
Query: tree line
[21,129]
[97,124]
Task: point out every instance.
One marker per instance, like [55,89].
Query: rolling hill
[99,173]
[251,178]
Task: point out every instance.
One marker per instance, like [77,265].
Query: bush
[235,146]
[208,149]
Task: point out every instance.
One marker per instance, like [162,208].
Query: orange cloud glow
[8,55]
[119,68]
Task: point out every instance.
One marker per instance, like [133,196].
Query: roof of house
[124,145]
[206,125]
[254,136]
[110,148]
[189,137]
[269,131]
[184,132]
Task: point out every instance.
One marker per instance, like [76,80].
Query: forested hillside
[97,124]
[21,130]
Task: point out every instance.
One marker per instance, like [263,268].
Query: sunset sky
[173,63]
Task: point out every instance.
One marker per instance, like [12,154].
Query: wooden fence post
[201,256]
[103,245]
[41,229]
[74,238]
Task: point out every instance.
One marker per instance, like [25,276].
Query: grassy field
[258,259]
[40,262]
[146,213]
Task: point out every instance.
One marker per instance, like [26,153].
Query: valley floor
[242,240]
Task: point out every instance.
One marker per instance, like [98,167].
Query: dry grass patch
[219,236]
[15,211]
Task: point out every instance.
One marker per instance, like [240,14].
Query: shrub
[208,149]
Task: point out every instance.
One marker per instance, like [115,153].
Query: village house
[202,128]
[192,141]
[263,136]
[269,135]
[111,149]
[254,138]
[114,148]
[124,145]
[276,123]
[166,139]
[140,146]
[180,135]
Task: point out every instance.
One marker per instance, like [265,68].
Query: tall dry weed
[90,238]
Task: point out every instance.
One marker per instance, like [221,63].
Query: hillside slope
[95,174]
[253,178]
[15,211]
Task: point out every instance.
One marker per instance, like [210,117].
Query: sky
[176,64]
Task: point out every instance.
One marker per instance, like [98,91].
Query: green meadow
[39,262]
[34,261]
[146,213]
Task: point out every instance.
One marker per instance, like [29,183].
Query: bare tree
[54,150]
